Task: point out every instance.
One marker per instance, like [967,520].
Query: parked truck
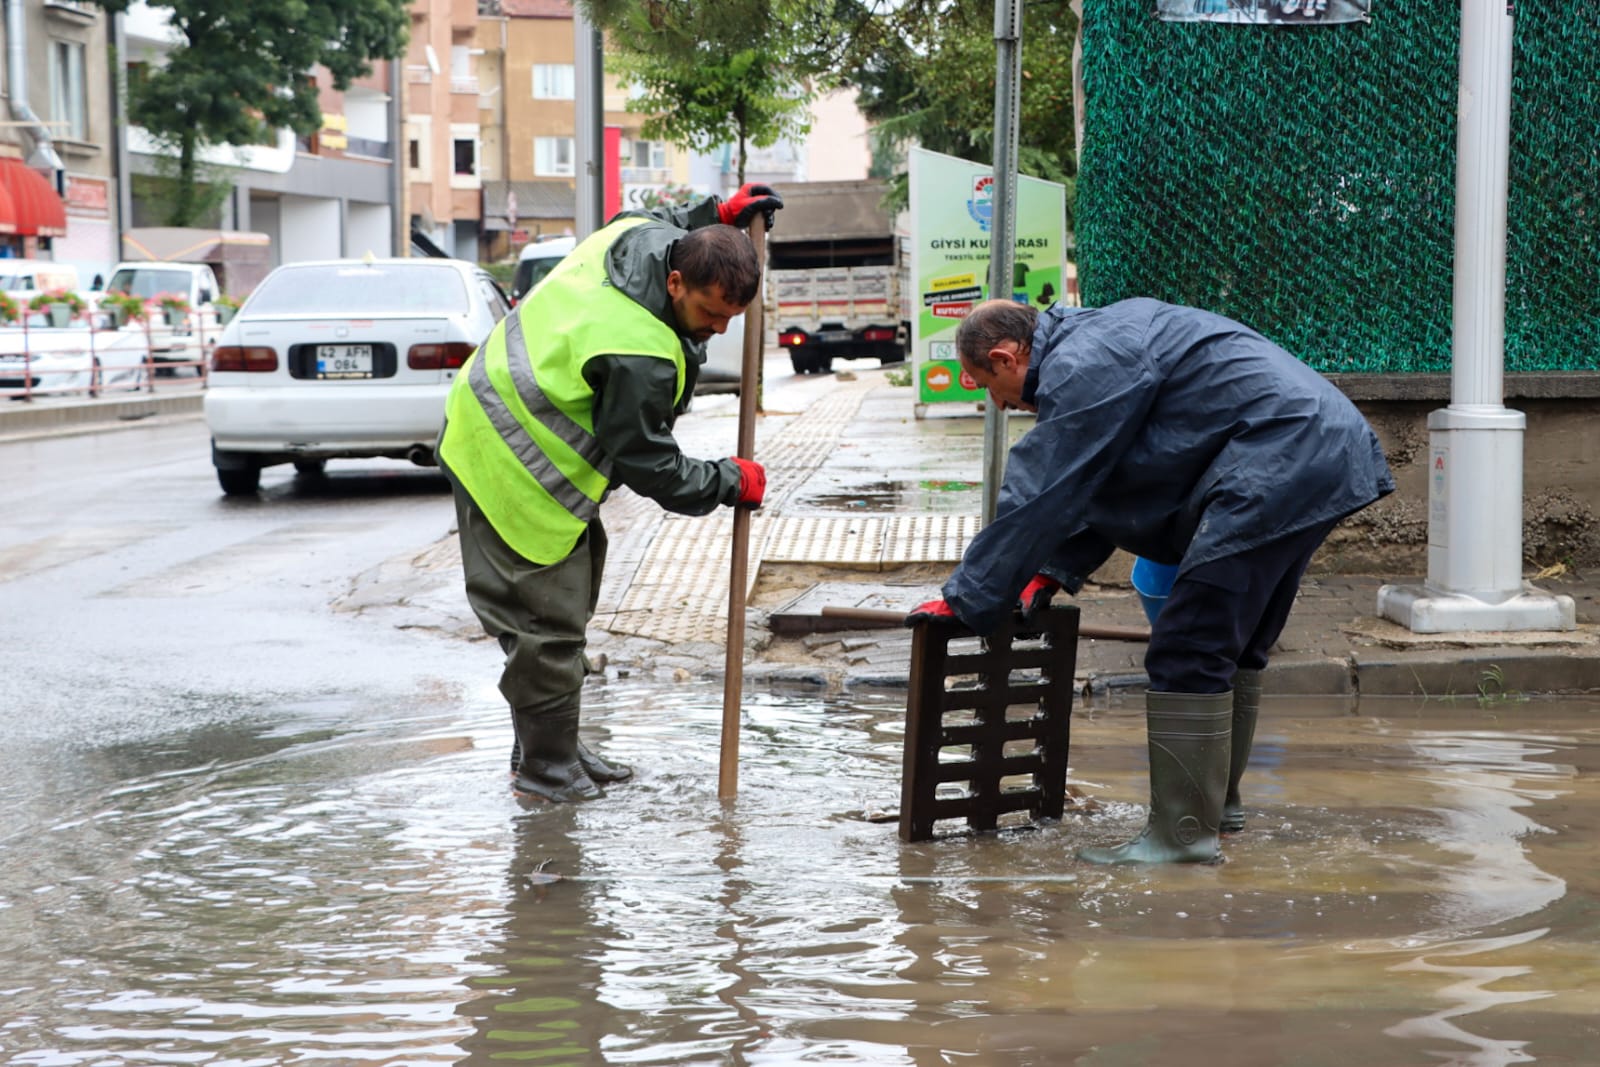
[836,276]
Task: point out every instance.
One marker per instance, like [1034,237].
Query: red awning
[31,207]
[8,212]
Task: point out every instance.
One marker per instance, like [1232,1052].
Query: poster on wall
[952,206]
[1275,12]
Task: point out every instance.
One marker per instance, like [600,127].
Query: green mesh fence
[1303,180]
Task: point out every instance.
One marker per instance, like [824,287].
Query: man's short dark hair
[719,256]
[990,324]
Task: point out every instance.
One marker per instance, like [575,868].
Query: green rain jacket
[635,402]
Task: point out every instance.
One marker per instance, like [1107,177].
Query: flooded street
[311,882]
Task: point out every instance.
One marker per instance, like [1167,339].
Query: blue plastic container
[1153,583]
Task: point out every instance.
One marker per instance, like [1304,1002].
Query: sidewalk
[665,601]
[48,416]
[868,506]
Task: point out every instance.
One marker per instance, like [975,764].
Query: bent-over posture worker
[576,391]
[1185,438]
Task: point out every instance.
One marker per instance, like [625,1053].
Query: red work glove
[743,205]
[752,482]
[932,610]
[1037,593]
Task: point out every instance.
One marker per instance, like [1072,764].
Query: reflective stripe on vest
[519,420]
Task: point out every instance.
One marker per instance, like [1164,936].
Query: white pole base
[1424,610]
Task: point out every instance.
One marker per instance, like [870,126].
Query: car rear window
[347,288]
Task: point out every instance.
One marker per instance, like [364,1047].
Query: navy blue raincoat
[1173,433]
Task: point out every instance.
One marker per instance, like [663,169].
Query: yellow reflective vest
[519,422]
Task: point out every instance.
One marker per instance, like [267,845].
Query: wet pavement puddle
[1416,885]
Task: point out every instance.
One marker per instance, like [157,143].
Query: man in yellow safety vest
[577,391]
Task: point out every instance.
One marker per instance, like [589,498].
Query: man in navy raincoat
[1186,438]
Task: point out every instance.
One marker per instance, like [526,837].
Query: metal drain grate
[988,723]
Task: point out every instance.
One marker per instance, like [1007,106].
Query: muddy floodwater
[322,884]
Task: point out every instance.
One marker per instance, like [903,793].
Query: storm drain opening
[988,725]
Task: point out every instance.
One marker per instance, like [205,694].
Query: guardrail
[93,357]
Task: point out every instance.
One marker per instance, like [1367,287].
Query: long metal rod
[738,574]
[1003,228]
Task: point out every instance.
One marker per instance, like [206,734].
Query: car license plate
[835,335]
[344,361]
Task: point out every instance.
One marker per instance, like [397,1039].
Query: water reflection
[1467,996]
[1485,781]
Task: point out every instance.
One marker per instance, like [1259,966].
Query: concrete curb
[42,418]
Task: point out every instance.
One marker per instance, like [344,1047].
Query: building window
[552,157]
[414,154]
[651,155]
[466,156]
[68,103]
[552,81]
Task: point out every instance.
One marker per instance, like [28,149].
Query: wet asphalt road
[140,602]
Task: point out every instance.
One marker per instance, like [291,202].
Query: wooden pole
[738,575]
[881,618]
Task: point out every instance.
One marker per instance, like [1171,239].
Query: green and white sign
[952,205]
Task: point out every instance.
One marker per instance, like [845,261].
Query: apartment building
[57,185]
[526,53]
[444,150]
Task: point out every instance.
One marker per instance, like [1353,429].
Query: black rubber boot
[598,767]
[601,769]
[1246,707]
[1188,740]
[548,766]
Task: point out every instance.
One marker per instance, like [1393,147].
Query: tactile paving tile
[841,540]
[803,453]
[679,591]
[630,521]
[928,538]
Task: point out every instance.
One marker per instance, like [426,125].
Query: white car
[70,359]
[343,359]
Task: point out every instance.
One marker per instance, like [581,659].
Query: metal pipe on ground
[882,618]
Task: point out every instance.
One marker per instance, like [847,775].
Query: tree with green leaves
[744,71]
[924,74]
[241,69]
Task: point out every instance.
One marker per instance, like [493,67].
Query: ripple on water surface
[323,886]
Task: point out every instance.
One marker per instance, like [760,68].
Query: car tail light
[791,338]
[439,357]
[243,358]
[878,333]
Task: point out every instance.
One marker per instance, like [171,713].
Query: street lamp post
[1003,228]
[1475,456]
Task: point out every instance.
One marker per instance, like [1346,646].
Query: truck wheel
[309,466]
[239,481]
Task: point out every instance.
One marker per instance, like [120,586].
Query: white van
[26,277]
[537,259]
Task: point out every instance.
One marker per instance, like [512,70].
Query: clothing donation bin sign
[952,207]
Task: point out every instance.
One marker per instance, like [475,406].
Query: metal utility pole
[589,144]
[1003,227]
[1475,445]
